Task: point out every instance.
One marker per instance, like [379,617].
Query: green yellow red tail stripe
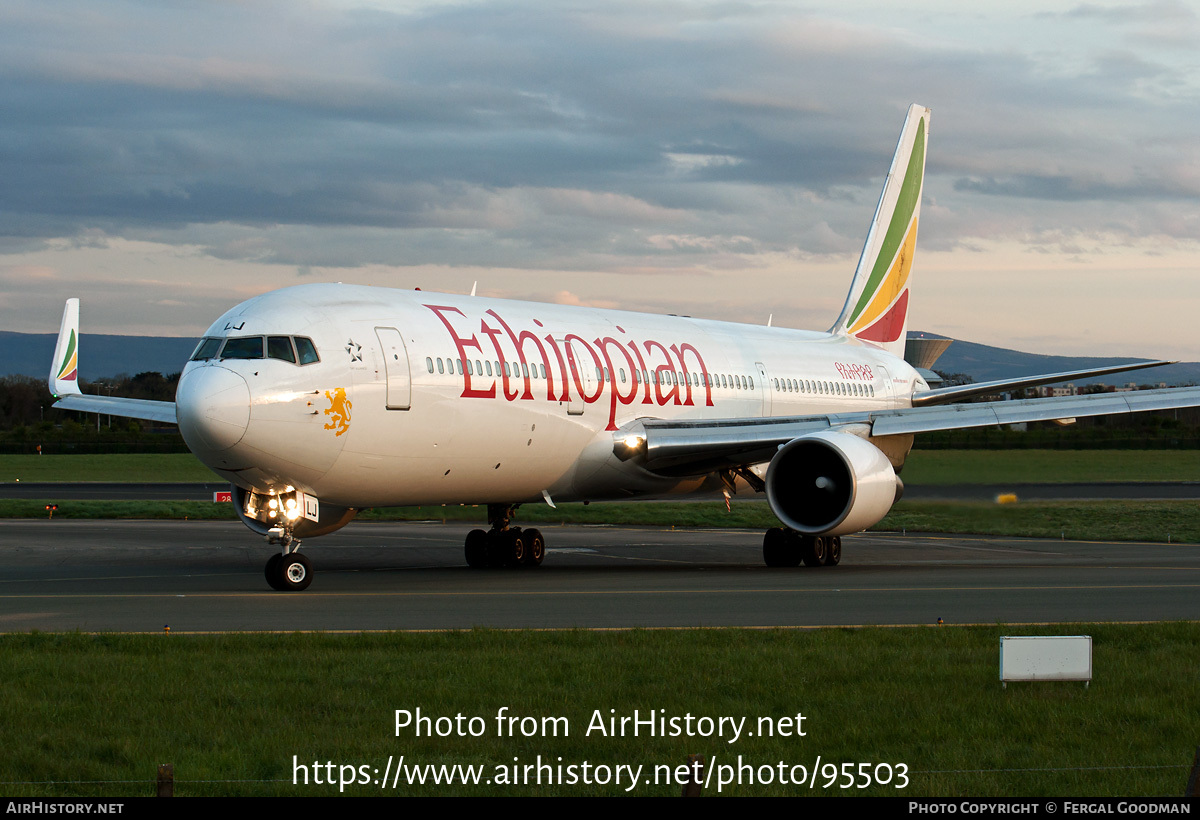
[876,309]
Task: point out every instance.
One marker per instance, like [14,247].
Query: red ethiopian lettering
[462,344]
[661,378]
[603,344]
[672,379]
[577,371]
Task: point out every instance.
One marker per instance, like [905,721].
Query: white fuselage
[432,398]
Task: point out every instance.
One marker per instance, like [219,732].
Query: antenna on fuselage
[473,286]
[769,318]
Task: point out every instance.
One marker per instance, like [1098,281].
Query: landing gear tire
[273,573]
[535,548]
[833,553]
[476,549]
[516,550]
[295,572]
[501,544]
[775,547]
[815,550]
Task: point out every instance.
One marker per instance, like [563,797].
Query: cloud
[657,141]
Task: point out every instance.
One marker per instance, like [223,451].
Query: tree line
[29,420]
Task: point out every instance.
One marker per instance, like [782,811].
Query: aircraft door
[888,391]
[765,386]
[580,374]
[395,363]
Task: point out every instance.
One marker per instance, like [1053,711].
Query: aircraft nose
[213,408]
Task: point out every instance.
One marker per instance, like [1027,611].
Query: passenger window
[489,368]
[429,363]
[206,350]
[441,367]
[470,370]
[244,347]
[460,366]
[280,347]
[305,350]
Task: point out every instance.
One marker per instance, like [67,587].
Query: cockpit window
[244,347]
[206,350]
[293,349]
[308,353]
[280,347]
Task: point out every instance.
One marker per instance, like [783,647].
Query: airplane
[321,400]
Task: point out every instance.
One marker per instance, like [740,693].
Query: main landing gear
[787,548]
[504,546]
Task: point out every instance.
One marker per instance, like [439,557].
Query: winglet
[64,369]
[876,309]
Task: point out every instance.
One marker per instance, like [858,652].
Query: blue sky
[165,161]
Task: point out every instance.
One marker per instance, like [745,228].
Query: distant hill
[29,354]
[986,363]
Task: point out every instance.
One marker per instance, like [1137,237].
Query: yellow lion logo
[339,409]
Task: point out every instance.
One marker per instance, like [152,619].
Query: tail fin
[64,370]
[876,309]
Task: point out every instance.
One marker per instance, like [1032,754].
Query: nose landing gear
[288,570]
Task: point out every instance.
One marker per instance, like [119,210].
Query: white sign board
[1059,657]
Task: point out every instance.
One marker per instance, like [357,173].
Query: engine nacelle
[831,483]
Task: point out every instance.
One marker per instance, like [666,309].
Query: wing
[697,447]
[64,380]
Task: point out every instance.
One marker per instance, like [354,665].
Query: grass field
[1049,466]
[923,467]
[229,712]
[130,467]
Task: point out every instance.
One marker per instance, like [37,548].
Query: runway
[207,576]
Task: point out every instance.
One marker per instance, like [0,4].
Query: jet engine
[831,483]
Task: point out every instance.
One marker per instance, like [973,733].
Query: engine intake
[831,483]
